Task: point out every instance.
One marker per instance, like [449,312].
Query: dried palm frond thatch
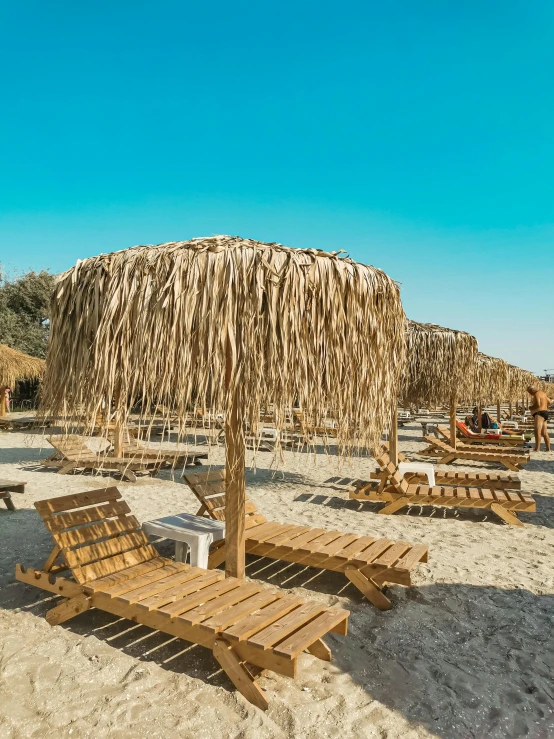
[16,365]
[492,379]
[162,325]
[439,365]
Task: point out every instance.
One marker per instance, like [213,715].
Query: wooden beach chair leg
[511,465]
[372,592]
[67,468]
[53,556]
[506,515]
[203,508]
[396,505]
[8,502]
[68,608]
[320,650]
[216,557]
[239,676]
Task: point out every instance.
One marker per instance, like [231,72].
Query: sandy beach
[465,652]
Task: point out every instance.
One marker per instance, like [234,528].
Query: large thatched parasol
[16,365]
[234,325]
[439,367]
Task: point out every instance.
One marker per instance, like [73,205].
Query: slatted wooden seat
[138,451]
[487,446]
[71,453]
[7,487]
[113,567]
[368,562]
[398,493]
[447,454]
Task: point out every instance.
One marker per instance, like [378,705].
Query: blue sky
[415,135]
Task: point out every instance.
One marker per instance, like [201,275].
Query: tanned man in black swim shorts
[539,409]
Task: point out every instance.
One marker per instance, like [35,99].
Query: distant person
[539,411]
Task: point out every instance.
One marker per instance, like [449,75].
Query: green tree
[24,311]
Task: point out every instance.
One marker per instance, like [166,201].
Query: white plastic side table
[421,467]
[189,532]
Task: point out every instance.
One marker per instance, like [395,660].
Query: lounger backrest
[209,488]
[385,463]
[95,533]
[438,443]
[72,447]
[463,428]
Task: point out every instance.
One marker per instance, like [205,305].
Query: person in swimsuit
[539,409]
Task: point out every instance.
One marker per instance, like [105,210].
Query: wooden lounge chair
[71,453]
[367,562]
[397,493]
[448,454]
[493,480]
[470,437]
[137,450]
[114,568]
[484,445]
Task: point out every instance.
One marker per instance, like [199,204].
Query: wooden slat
[307,635]
[87,515]
[178,592]
[128,574]
[272,529]
[163,585]
[416,554]
[258,621]
[221,603]
[287,536]
[180,607]
[373,551]
[97,531]
[243,609]
[284,626]
[79,500]
[114,564]
[148,575]
[103,549]
[396,552]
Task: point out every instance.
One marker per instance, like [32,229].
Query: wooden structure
[397,493]
[71,454]
[113,567]
[234,325]
[470,438]
[7,487]
[16,365]
[447,454]
[368,562]
[138,451]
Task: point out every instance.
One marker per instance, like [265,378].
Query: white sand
[465,652]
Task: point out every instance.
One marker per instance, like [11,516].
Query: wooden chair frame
[447,454]
[113,567]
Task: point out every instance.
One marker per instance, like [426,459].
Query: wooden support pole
[510,409]
[3,400]
[234,469]
[480,416]
[453,423]
[393,437]
[498,419]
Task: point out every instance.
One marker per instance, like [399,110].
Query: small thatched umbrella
[232,324]
[439,367]
[16,365]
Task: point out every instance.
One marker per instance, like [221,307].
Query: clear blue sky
[418,136]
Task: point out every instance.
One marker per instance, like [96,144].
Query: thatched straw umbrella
[16,365]
[439,367]
[232,324]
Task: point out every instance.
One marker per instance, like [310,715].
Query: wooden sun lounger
[470,438]
[71,453]
[7,487]
[447,454]
[366,561]
[491,446]
[398,493]
[114,568]
[138,451]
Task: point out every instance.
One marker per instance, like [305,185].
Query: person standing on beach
[539,409]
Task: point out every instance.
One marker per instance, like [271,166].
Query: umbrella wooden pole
[3,400]
[118,430]
[234,477]
[393,437]
[498,419]
[453,423]
[510,409]
[479,416]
